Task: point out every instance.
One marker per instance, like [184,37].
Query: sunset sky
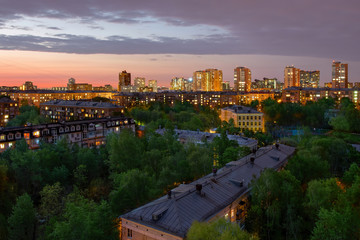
[48,42]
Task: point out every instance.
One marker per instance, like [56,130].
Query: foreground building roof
[206,197]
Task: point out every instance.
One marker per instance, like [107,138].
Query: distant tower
[153,84]
[124,80]
[291,77]
[242,79]
[208,80]
[339,75]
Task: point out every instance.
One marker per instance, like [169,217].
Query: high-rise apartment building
[291,77]
[153,84]
[339,75]
[177,84]
[208,80]
[139,84]
[242,79]
[309,79]
[124,80]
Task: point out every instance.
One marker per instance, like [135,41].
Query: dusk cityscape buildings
[179,120]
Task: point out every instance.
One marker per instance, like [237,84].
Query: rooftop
[241,109]
[175,214]
[73,103]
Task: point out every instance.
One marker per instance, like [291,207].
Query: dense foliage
[28,115]
[317,196]
[180,115]
[68,192]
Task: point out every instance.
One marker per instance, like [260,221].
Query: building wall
[251,121]
[291,77]
[8,111]
[339,75]
[242,79]
[130,230]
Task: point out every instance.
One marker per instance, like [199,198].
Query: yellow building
[208,80]
[244,118]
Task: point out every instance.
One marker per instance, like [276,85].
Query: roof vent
[252,160]
[169,194]
[277,146]
[159,213]
[214,171]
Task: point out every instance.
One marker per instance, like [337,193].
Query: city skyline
[92,41]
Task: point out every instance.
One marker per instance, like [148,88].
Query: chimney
[198,188]
[252,160]
[214,171]
[169,194]
[277,146]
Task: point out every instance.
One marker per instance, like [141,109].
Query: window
[2,146]
[129,233]
[11,136]
[2,137]
[72,128]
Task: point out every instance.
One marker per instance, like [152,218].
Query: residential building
[244,118]
[8,110]
[153,84]
[309,79]
[208,80]
[328,84]
[124,80]
[139,82]
[268,84]
[303,95]
[68,110]
[291,77]
[242,79]
[339,75]
[73,86]
[226,86]
[28,86]
[222,194]
[177,84]
[85,133]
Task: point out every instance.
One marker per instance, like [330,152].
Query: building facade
[8,110]
[73,86]
[63,110]
[124,80]
[244,118]
[291,77]
[153,85]
[208,80]
[339,75]
[85,133]
[309,79]
[242,79]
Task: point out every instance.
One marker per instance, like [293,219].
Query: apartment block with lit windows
[8,110]
[339,75]
[208,80]
[61,110]
[244,118]
[309,79]
[291,77]
[85,133]
[242,79]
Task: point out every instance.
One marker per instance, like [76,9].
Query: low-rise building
[8,110]
[63,110]
[222,194]
[244,118]
[85,133]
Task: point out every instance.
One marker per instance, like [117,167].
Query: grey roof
[200,137]
[241,109]
[186,205]
[74,103]
[6,100]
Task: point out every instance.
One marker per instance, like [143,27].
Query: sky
[48,42]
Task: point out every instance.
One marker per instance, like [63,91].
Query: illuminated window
[2,146]
[27,135]
[36,133]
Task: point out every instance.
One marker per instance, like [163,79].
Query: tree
[218,229]
[275,211]
[28,115]
[84,219]
[51,200]
[22,220]
[131,189]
